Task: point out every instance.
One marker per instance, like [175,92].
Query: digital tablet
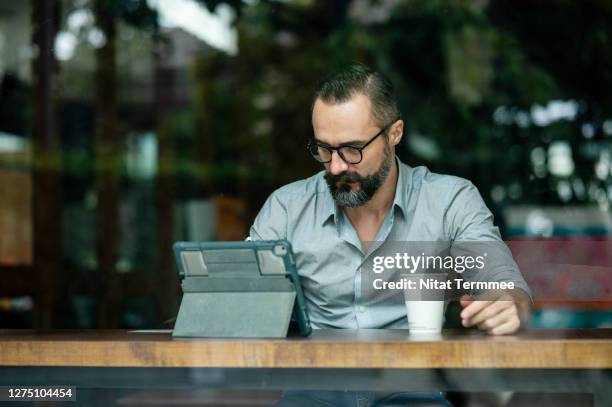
[239,289]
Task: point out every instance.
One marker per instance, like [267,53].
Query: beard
[341,189]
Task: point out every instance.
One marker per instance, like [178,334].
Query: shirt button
[361,309]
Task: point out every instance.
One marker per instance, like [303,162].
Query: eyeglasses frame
[337,149]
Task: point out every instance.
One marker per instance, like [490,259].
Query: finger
[501,318]
[488,297]
[477,315]
[466,300]
[474,308]
[495,308]
[507,328]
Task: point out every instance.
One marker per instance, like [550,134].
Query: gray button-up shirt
[428,207]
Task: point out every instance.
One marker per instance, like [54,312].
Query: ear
[396,132]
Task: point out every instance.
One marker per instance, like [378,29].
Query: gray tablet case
[238,289]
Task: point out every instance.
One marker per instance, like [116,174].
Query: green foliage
[136,13]
[454,63]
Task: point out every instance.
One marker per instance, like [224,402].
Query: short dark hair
[341,86]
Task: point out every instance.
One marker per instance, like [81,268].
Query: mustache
[343,178]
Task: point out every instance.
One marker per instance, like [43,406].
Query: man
[365,194]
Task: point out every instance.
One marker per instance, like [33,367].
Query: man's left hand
[497,313]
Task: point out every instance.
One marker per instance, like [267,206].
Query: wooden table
[536,360]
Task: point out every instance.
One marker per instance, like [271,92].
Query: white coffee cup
[425,316]
[424,306]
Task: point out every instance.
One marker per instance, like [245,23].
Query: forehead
[343,122]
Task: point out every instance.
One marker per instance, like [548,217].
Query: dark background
[120,133]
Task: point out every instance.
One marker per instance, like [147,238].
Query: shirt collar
[329,207]
[402,189]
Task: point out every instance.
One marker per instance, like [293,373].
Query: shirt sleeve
[271,222]
[470,227]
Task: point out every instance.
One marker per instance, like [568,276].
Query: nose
[337,165]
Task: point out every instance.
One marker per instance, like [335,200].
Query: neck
[382,200]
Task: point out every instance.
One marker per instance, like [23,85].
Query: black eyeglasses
[349,153]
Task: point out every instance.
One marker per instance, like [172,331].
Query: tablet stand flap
[235,314]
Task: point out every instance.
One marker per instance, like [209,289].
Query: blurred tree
[46,192]
[109,147]
[457,65]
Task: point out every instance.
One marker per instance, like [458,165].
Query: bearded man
[365,194]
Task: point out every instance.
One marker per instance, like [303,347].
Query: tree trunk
[47,192]
[165,187]
[107,152]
